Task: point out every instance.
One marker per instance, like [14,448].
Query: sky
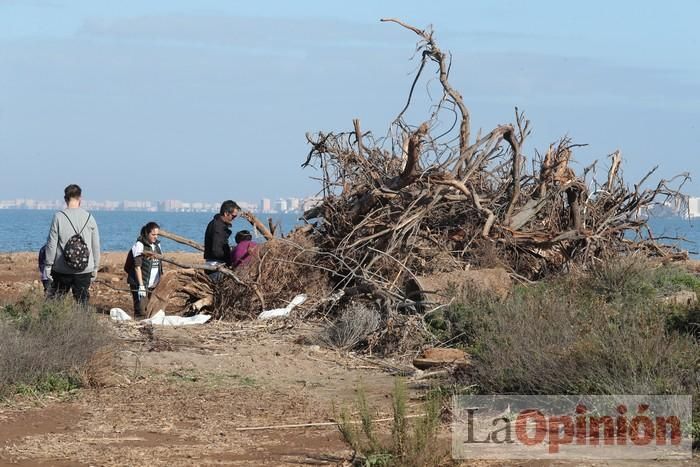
[211,99]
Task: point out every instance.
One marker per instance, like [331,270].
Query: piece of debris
[117,314]
[280,312]
[160,319]
[436,357]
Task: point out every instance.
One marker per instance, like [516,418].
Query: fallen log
[223,269]
[255,222]
[182,240]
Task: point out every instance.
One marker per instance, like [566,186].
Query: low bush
[604,333]
[624,278]
[685,320]
[352,326]
[51,345]
[673,278]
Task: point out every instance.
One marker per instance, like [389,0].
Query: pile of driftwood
[419,202]
[281,269]
[429,200]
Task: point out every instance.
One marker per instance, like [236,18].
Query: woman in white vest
[146,271]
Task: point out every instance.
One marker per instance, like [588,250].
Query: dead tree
[425,205]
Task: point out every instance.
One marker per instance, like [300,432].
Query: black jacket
[216,247]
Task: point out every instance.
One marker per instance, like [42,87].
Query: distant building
[56,204]
[111,205]
[138,206]
[281,205]
[293,204]
[246,206]
[170,205]
[694,207]
[265,205]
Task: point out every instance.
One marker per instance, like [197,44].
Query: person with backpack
[72,248]
[144,271]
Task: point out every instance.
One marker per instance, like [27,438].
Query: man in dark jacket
[216,248]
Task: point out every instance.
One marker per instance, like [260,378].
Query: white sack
[278,312]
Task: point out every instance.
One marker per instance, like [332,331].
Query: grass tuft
[413,441]
[51,346]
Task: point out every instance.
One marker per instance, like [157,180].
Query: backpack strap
[71,224]
[86,223]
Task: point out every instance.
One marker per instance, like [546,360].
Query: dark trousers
[140,304]
[79,284]
[214,276]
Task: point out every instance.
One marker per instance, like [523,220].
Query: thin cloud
[239,31]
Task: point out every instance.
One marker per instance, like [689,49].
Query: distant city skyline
[265,205]
[685,206]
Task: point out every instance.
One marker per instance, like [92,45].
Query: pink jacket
[242,254]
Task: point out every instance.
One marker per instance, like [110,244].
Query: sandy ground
[185,396]
[186,406]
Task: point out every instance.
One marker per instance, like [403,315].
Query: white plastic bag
[117,314]
[278,312]
[160,319]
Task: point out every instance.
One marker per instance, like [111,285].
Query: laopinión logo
[572,427]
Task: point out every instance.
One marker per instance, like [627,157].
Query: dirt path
[184,406]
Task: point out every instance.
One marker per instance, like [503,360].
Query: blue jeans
[214,276]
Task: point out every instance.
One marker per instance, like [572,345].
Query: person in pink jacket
[244,250]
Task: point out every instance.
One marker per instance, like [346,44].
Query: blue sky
[208,100]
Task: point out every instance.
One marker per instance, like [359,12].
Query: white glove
[47,272]
[142,291]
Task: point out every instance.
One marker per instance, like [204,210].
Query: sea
[27,229]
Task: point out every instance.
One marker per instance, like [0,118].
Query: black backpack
[129,265]
[76,253]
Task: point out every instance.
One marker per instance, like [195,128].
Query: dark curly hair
[243,235]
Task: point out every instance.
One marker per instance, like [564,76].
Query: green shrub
[621,279]
[49,383]
[53,345]
[685,320]
[673,278]
[405,447]
[605,333]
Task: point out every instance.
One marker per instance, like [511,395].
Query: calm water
[676,227]
[26,230]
